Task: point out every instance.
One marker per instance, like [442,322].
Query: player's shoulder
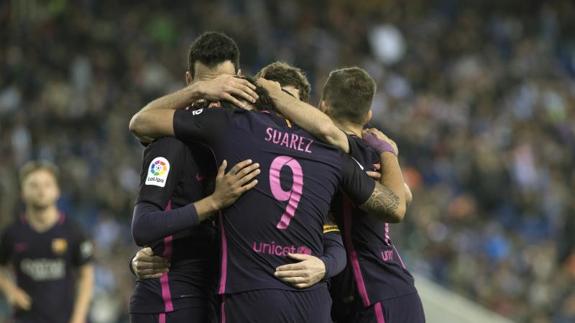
[167,142]
[360,149]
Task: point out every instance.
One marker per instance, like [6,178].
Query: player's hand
[146,265]
[380,136]
[231,185]
[270,86]
[19,299]
[303,274]
[230,88]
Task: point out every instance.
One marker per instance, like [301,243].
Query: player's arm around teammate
[160,111]
[321,125]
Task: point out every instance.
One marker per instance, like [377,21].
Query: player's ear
[189,78]
[368,117]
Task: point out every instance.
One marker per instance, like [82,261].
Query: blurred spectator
[479,96]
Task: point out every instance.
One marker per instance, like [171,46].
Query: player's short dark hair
[34,166]
[287,75]
[349,93]
[211,49]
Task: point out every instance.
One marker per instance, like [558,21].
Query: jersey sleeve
[334,255]
[163,162]
[355,182]
[205,125]
[5,248]
[82,247]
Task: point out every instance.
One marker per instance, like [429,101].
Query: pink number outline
[293,196]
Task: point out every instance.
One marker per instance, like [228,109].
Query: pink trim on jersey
[379,313]
[162,318]
[165,279]
[224,260]
[352,254]
[399,256]
[387,237]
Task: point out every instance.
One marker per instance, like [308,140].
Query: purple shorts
[184,315]
[277,306]
[403,309]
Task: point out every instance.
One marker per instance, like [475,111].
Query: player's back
[285,212]
[184,171]
[374,264]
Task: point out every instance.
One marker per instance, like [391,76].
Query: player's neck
[42,219]
[349,128]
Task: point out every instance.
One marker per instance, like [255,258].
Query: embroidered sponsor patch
[158,172]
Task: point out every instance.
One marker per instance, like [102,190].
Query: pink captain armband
[379,145]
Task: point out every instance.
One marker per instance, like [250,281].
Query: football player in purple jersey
[380,285]
[49,254]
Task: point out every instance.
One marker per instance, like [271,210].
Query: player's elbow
[137,124]
[138,233]
[398,214]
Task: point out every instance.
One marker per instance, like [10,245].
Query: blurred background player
[49,255]
[382,289]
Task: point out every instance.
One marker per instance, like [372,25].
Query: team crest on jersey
[59,246]
[158,172]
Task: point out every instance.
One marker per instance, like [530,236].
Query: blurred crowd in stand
[479,96]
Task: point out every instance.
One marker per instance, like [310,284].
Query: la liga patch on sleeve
[158,172]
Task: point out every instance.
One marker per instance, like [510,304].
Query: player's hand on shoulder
[372,134]
[308,271]
[231,185]
[230,88]
[146,265]
[19,299]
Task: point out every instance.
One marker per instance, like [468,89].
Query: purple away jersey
[45,265]
[286,211]
[173,175]
[375,270]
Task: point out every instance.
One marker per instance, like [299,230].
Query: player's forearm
[6,283]
[392,179]
[311,119]
[334,255]
[152,124]
[85,287]
[150,224]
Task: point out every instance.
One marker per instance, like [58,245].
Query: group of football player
[255,206]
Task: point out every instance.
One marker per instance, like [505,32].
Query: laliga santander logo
[159,168]
[158,172]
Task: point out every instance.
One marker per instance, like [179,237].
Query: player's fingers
[234,101]
[294,280]
[222,169]
[249,186]
[296,266]
[243,92]
[292,273]
[248,88]
[377,166]
[239,166]
[151,276]
[156,264]
[147,251]
[247,170]
[249,84]
[302,285]
[248,177]
[374,175]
